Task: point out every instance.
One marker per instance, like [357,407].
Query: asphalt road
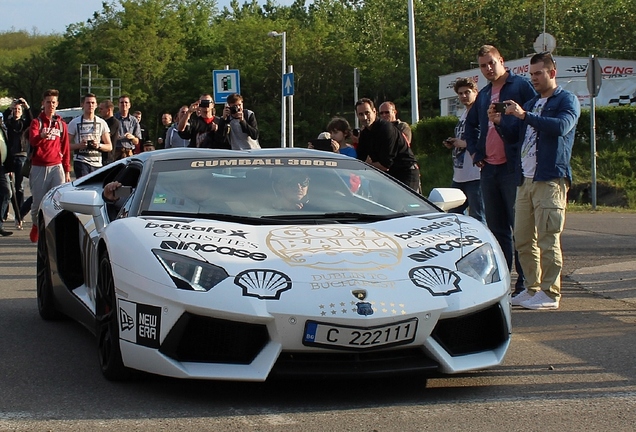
[571,369]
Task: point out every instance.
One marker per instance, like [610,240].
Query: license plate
[349,337]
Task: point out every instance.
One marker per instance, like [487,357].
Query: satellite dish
[544,42]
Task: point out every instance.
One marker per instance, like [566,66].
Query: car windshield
[248,187]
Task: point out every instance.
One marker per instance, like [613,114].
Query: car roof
[186,153]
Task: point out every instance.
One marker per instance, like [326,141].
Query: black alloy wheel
[108,349]
[45,297]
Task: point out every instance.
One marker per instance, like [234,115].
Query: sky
[52,16]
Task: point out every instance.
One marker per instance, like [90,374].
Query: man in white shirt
[89,137]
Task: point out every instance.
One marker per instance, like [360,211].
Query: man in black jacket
[201,126]
[382,145]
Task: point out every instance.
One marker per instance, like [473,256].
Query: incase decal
[223,250]
[441,248]
[139,323]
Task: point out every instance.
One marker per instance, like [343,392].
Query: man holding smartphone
[89,136]
[493,140]
[547,135]
[200,125]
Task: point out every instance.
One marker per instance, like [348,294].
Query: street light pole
[283,111]
[415,111]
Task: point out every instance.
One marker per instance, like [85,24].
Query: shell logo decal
[263,284]
[437,280]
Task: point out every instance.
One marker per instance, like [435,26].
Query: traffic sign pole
[594,81]
[291,108]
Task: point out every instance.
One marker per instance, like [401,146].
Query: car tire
[108,349]
[44,285]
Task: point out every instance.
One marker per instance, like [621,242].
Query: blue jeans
[81,169]
[499,189]
[474,201]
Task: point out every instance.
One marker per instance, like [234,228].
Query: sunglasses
[548,54]
[385,112]
[304,182]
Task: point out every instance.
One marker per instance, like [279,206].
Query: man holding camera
[129,130]
[201,126]
[239,125]
[494,143]
[90,137]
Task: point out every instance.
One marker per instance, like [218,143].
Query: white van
[69,114]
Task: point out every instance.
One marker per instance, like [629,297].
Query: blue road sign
[225,83]
[288,84]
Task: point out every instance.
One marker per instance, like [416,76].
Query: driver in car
[291,191]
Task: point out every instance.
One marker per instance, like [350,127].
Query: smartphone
[123,192]
[322,144]
[500,107]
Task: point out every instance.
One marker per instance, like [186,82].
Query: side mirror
[87,202]
[447,198]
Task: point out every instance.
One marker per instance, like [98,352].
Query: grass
[615,167]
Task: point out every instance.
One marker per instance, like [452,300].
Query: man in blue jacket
[493,141]
[547,135]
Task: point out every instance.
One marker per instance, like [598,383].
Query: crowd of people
[511,154]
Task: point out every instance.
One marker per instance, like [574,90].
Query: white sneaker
[522,296]
[540,301]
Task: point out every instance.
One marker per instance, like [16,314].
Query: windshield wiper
[252,220]
[337,216]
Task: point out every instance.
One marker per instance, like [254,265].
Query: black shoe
[5,233]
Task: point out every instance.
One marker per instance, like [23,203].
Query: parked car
[227,265]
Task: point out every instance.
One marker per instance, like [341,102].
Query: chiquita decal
[334,248]
[139,323]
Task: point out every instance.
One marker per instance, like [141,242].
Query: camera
[234,109]
[91,144]
[205,103]
[355,132]
[500,107]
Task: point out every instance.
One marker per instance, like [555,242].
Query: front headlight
[188,273]
[480,264]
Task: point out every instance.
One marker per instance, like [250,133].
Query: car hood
[314,252]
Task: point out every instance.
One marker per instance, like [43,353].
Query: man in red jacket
[51,156]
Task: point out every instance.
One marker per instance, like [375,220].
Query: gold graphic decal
[332,248]
[342,308]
